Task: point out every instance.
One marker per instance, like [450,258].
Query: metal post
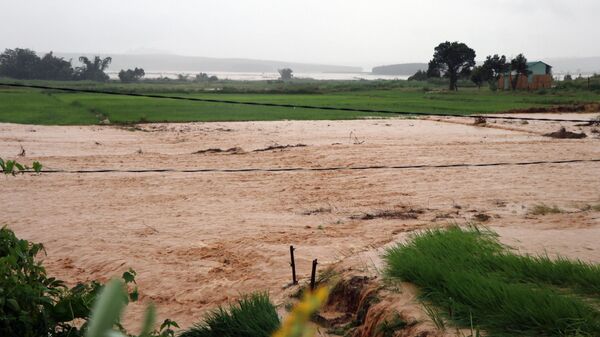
[293,264]
[313,275]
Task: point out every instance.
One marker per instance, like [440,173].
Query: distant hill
[399,69]
[175,63]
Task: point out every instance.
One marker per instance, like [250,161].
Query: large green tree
[285,74]
[93,70]
[131,75]
[493,67]
[25,64]
[19,63]
[452,59]
[478,76]
[55,68]
[518,66]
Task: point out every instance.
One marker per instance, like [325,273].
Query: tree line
[25,64]
[456,60]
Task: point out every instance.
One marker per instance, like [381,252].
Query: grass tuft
[477,281]
[252,316]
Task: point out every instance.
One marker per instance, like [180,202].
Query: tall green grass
[470,275]
[252,316]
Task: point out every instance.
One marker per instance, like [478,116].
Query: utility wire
[293,106]
[319,169]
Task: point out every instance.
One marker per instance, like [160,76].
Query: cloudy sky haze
[348,32]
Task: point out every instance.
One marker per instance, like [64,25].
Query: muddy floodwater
[201,239]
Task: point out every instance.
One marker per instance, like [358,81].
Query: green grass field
[252,316]
[33,106]
[477,282]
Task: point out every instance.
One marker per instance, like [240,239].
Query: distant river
[249,76]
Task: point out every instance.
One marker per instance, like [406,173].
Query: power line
[293,106]
[320,169]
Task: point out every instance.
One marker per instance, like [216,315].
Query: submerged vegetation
[479,282]
[543,209]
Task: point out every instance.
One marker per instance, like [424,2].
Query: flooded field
[201,239]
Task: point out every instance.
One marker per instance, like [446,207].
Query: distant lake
[250,76]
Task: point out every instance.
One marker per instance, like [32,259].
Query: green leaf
[149,319]
[168,323]
[107,309]
[9,167]
[129,276]
[134,295]
[13,304]
[37,167]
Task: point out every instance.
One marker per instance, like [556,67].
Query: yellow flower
[296,324]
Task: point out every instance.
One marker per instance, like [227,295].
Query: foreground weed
[478,282]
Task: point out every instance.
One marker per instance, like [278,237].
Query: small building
[540,77]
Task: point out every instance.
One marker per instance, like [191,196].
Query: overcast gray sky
[348,32]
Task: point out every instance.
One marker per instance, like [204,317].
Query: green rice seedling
[32,106]
[252,316]
[476,281]
[561,272]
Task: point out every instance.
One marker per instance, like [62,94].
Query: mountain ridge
[170,63]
